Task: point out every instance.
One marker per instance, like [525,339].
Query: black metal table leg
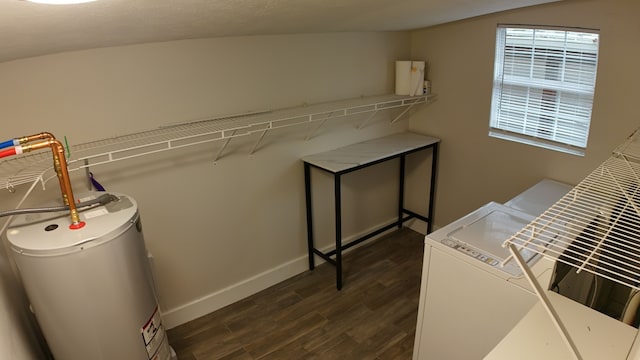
[401,192]
[307,193]
[432,190]
[338,214]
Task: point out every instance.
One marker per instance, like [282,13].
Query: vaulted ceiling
[29,29]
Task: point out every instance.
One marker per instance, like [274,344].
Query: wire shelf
[33,167]
[630,149]
[596,226]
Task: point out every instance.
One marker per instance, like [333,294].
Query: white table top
[351,156]
[596,336]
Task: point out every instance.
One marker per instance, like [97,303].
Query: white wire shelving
[37,167]
[593,228]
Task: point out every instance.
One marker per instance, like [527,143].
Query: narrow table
[357,156]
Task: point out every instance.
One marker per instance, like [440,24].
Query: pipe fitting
[60,165]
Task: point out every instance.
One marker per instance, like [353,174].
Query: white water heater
[91,288]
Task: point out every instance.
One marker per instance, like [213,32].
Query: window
[543,86]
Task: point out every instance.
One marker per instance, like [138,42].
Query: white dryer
[468,301]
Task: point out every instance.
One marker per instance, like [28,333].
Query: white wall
[474,168]
[218,231]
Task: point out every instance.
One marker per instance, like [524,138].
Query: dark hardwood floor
[305,317]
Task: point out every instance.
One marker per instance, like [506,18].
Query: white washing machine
[468,301]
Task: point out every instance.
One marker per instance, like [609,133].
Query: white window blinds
[544,81]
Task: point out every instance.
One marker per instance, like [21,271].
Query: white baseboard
[238,291]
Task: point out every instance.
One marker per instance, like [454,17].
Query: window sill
[538,142]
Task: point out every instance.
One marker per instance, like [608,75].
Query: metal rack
[36,168]
[593,228]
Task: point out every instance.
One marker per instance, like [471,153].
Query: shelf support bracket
[375,112]
[402,113]
[224,145]
[255,146]
[314,131]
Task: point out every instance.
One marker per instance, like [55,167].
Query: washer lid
[49,232]
[491,230]
[485,229]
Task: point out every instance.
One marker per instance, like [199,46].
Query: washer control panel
[478,255]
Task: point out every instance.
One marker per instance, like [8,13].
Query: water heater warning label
[154,337]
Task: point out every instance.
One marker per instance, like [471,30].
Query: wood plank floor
[305,317]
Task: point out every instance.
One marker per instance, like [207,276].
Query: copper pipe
[60,163]
[40,136]
[56,161]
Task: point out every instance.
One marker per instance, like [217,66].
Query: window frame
[552,94]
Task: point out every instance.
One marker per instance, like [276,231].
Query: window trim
[541,84]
